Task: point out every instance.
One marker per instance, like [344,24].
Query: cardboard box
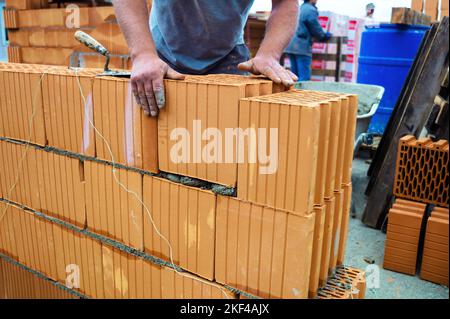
[186,217]
[279,263]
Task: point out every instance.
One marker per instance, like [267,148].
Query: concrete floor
[366,245]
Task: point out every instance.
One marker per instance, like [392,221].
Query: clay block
[403,238]
[21,112]
[438,279]
[68,110]
[435,254]
[403,218]
[437,226]
[393,251]
[403,230]
[291,185]
[422,171]
[327,240]
[186,217]
[319,227]
[18,283]
[197,114]
[436,246]
[49,183]
[113,203]
[287,242]
[405,269]
[336,235]
[131,135]
[443,264]
[347,205]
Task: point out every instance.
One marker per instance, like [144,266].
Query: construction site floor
[366,245]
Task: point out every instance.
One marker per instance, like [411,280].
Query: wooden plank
[409,17]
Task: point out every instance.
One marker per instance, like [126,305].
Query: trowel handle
[91,43]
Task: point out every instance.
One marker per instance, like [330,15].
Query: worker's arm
[148,69]
[313,25]
[281,26]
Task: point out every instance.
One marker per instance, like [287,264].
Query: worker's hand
[147,82]
[269,67]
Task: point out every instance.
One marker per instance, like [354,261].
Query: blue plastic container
[387,53]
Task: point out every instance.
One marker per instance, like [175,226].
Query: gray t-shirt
[193,35]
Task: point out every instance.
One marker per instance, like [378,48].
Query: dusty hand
[147,82]
[269,67]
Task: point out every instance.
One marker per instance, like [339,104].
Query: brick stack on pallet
[42,33]
[414,237]
[268,219]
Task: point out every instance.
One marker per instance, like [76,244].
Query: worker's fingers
[284,76]
[174,75]
[248,66]
[150,96]
[134,90]
[142,98]
[158,89]
[292,75]
[271,74]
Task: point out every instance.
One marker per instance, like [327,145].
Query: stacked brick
[435,253]
[403,236]
[422,171]
[42,32]
[18,283]
[70,174]
[415,239]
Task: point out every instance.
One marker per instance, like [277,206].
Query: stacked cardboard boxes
[289,154]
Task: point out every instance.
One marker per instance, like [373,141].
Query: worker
[300,48]
[370,11]
[199,37]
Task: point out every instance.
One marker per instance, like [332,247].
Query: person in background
[300,48]
[370,11]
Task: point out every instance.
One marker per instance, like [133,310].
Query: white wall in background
[352,8]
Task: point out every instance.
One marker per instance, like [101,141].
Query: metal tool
[96,46]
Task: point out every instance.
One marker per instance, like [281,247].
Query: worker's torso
[193,35]
[302,41]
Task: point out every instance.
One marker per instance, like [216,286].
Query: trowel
[96,46]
